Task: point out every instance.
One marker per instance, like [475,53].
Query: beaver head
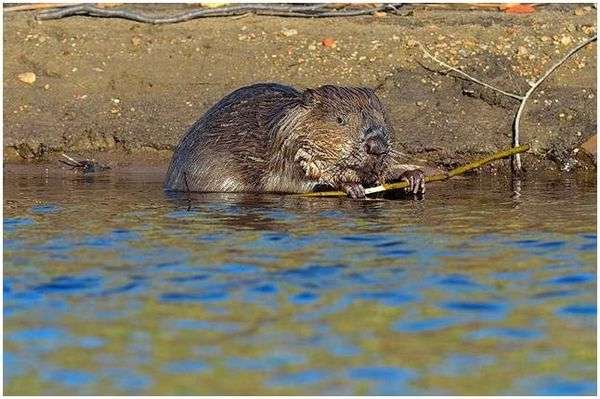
[341,134]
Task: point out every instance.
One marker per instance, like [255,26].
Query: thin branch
[38,6]
[310,11]
[516,160]
[85,165]
[516,135]
[73,161]
[445,176]
[506,93]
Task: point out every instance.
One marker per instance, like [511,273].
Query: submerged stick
[445,176]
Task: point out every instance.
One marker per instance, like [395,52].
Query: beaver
[274,138]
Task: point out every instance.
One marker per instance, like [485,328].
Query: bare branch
[286,10]
[38,6]
[516,132]
[442,63]
[516,160]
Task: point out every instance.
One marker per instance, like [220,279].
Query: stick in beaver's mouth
[440,177]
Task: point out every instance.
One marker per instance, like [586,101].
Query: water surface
[113,287]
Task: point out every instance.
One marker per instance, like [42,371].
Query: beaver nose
[375,144]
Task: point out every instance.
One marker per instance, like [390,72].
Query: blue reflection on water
[423,325]
[290,315]
[553,385]
[304,298]
[69,377]
[69,284]
[45,209]
[579,310]
[13,223]
[459,364]
[190,324]
[305,377]
[388,380]
[185,367]
[512,334]
[213,296]
[127,380]
[42,338]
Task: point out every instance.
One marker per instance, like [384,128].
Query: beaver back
[225,149]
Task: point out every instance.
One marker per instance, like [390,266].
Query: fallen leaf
[518,8]
[590,145]
[328,42]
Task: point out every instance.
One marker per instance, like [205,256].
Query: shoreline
[124,93]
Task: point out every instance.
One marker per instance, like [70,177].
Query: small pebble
[289,32]
[522,50]
[565,40]
[27,77]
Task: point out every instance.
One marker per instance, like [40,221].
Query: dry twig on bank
[535,85]
[287,10]
[37,6]
[471,78]
[516,159]
[84,166]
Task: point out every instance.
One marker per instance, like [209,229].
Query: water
[112,287]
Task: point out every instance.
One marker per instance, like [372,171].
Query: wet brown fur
[274,138]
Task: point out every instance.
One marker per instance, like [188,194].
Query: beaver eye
[341,120]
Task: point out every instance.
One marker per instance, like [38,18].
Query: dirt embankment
[125,92]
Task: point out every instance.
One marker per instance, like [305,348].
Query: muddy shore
[125,92]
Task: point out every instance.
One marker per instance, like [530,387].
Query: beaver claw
[354,190]
[415,179]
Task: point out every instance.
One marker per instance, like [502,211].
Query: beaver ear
[310,98]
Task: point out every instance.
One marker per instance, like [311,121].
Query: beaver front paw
[415,179]
[354,190]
